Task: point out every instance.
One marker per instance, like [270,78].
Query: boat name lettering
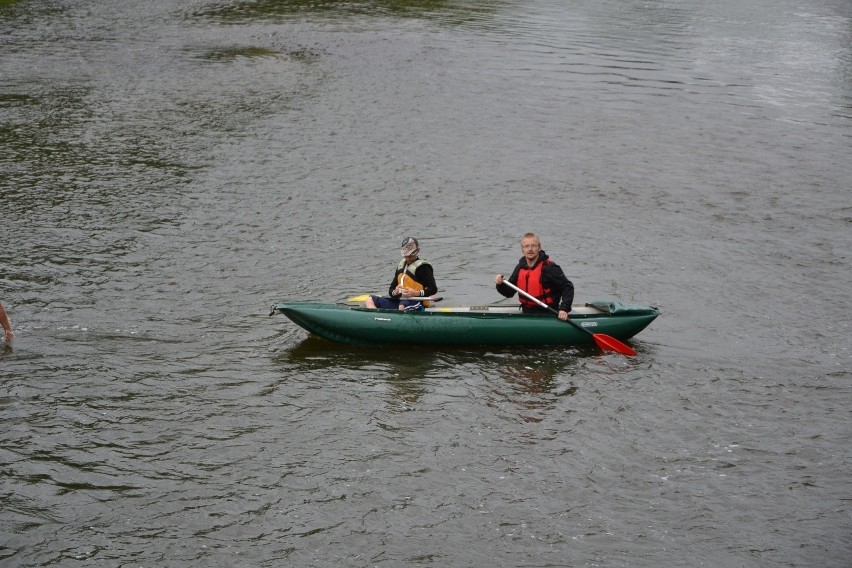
[589,324]
[382,319]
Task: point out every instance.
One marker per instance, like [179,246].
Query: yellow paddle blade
[361,298]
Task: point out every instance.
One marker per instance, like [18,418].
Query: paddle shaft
[542,304]
[363,297]
[603,341]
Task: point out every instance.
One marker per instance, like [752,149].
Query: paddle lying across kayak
[471,325]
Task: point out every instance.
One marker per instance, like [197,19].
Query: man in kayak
[540,277]
[413,279]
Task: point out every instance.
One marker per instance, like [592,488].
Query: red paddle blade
[607,342]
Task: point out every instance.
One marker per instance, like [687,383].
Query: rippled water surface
[168,170]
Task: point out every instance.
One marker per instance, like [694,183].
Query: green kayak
[474,325]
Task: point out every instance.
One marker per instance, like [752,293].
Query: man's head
[530,246]
[410,247]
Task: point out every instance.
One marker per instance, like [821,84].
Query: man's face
[530,248]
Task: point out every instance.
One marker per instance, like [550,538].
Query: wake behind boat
[470,325]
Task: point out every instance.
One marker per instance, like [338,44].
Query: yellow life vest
[405,277]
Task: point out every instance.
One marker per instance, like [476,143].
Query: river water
[170,169]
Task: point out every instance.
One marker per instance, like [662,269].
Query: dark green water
[168,170]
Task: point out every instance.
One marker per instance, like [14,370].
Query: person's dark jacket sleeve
[505,290]
[553,277]
[392,286]
[426,276]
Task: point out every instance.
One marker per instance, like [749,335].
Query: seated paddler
[412,281]
[537,275]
